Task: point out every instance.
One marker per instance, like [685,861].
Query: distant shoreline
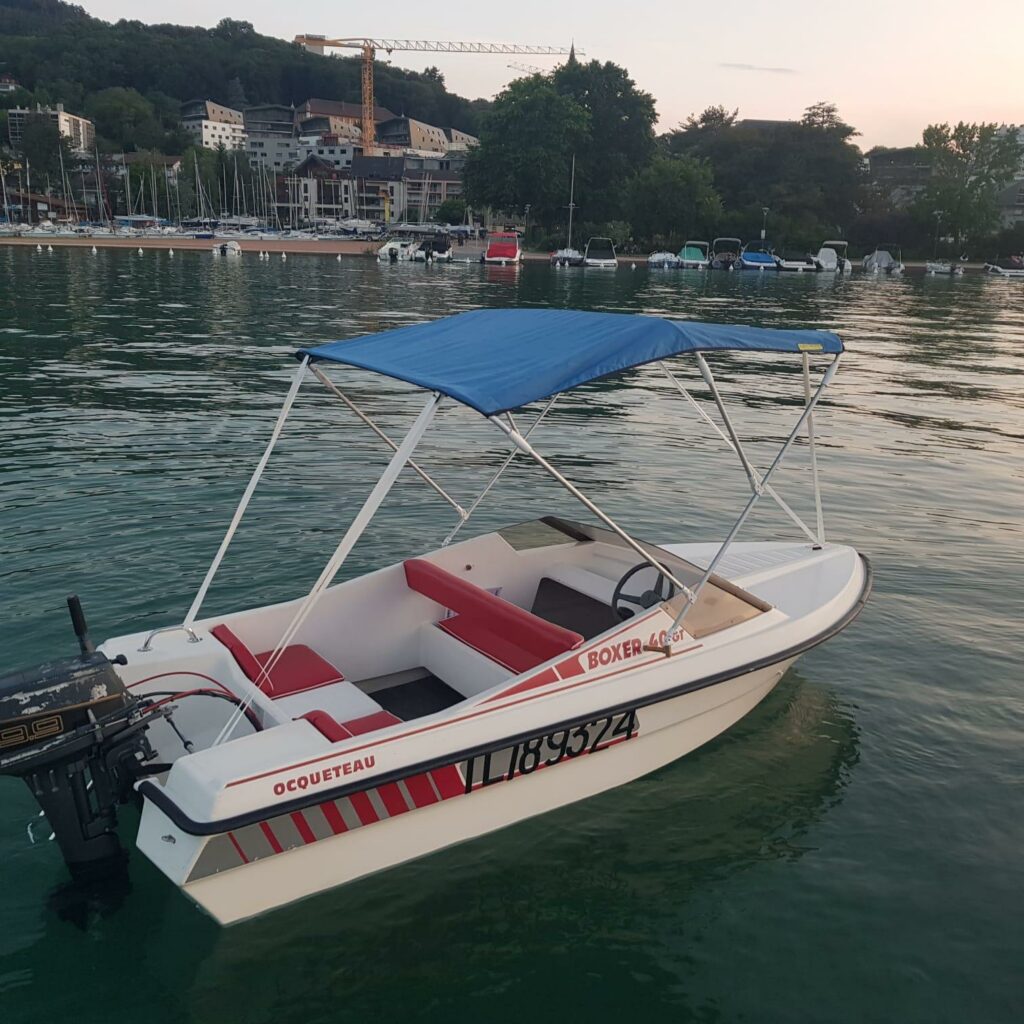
[306,247]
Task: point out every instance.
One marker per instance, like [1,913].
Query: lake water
[852,851]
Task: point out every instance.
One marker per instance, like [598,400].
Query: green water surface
[851,851]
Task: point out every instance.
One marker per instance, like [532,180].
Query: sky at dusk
[892,66]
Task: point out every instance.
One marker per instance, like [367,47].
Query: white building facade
[213,125]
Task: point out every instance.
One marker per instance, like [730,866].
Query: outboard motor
[74,733]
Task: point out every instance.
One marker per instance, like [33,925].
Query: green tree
[451,211]
[808,173]
[825,116]
[125,118]
[526,145]
[971,163]
[620,135]
[43,147]
[673,197]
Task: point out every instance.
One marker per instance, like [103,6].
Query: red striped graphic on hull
[333,817]
[449,781]
[303,827]
[420,790]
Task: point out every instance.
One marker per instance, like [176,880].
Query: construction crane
[369,47]
[529,69]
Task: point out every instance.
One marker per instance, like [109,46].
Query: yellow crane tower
[369,47]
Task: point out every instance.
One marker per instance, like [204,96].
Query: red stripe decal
[271,838]
[541,679]
[363,807]
[238,849]
[333,817]
[449,781]
[420,790]
[570,667]
[303,826]
[391,795]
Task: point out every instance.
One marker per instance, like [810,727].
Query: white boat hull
[666,731]
[280,815]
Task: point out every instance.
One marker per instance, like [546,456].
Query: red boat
[502,247]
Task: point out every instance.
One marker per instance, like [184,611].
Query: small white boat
[882,261]
[831,257]
[567,257]
[397,250]
[1011,267]
[502,248]
[943,268]
[694,255]
[797,263]
[280,751]
[436,249]
[663,261]
[600,253]
[226,249]
[725,253]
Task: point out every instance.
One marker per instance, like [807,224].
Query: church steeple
[572,53]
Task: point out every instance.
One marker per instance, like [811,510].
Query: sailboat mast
[3,184]
[572,205]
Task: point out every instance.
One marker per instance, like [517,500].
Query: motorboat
[436,249]
[882,261]
[757,256]
[227,249]
[600,253]
[694,255]
[502,248]
[278,752]
[567,257]
[943,268]
[397,250]
[1013,266]
[796,262]
[663,261]
[725,253]
[832,259]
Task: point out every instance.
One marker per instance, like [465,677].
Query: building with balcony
[79,131]
[8,85]
[213,125]
[402,133]
[271,142]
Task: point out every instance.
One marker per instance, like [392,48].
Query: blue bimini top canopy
[494,360]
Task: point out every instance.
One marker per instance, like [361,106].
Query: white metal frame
[402,456]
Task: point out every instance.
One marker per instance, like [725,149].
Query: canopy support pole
[715,427]
[334,563]
[429,480]
[494,479]
[814,456]
[691,595]
[190,616]
[524,446]
[705,372]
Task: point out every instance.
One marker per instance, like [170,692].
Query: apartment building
[213,125]
[271,142]
[79,131]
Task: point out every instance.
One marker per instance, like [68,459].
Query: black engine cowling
[72,731]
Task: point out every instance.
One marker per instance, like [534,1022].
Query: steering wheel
[664,590]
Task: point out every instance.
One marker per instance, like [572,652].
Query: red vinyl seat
[337,731]
[299,668]
[498,629]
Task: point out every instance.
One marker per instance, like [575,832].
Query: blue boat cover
[494,360]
